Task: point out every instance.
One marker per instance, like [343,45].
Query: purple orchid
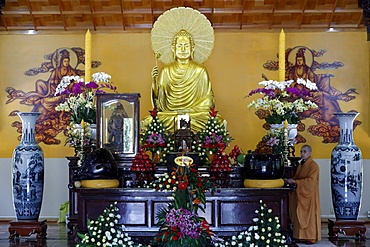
[78,88]
[184,220]
[297,92]
[268,92]
[92,84]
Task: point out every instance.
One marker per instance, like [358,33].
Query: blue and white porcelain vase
[346,171]
[28,171]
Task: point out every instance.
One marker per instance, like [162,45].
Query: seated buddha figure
[182,85]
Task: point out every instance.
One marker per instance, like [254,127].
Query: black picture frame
[118,125]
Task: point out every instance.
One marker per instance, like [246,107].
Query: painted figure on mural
[301,63]
[326,97]
[63,62]
[300,68]
[44,99]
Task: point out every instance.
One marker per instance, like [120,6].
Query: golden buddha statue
[183,84]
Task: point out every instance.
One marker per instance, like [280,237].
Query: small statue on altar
[183,82]
[115,125]
[183,136]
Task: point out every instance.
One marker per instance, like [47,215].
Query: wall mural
[62,62]
[300,63]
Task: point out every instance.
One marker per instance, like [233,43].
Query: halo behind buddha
[176,19]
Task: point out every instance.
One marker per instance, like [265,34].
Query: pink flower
[273,141]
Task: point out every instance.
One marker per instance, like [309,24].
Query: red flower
[213,112]
[154,112]
[174,238]
[183,185]
[205,226]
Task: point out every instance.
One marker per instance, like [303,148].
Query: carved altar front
[228,212]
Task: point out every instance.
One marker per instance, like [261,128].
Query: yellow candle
[88,56]
[286,124]
[282,56]
[82,123]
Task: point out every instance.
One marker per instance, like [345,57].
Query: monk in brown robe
[304,202]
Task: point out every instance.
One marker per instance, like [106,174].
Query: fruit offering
[235,152]
[142,162]
[220,163]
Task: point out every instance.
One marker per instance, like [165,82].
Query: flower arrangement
[215,136]
[80,96]
[180,225]
[79,102]
[155,137]
[274,141]
[283,100]
[187,185]
[266,231]
[104,231]
[79,136]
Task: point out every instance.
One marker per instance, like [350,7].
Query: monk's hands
[289,181]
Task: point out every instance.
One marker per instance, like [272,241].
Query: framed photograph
[118,122]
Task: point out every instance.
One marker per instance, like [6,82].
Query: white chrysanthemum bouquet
[265,232]
[105,231]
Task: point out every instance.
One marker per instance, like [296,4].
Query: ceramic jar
[346,171]
[28,171]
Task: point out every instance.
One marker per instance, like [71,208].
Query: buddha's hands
[155,73]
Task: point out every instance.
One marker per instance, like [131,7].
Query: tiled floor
[57,237]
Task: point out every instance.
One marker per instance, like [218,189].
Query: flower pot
[28,171]
[346,171]
[292,129]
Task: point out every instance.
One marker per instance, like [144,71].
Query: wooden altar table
[228,212]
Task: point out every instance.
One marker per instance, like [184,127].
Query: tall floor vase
[346,171]
[28,171]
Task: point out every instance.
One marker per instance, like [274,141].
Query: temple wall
[235,67]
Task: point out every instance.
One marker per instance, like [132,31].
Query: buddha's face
[183,48]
